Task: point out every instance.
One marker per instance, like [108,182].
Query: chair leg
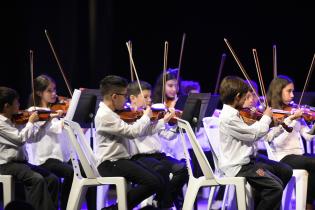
[191,194]
[8,191]
[211,197]
[240,195]
[301,191]
[121,189]
[76,196]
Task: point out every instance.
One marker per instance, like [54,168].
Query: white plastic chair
[8,188]
[88,161]
[208,179]
[299,180]
[211,129]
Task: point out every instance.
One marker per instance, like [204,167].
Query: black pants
[268,179]
[306,162]
[65,170]
[147,181]
[41,186]
[174,166]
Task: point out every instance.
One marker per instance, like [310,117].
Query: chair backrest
[270,154]
[211,129]
[82,149]
[206,169]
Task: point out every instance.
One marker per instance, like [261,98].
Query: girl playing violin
[288,147]
[52,151]
[171,87]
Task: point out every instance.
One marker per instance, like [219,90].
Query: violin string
[307,79]
[135,71]
[260,78]
[241,67]
[131,68]
[223,57]
[275,66]
[32,75]
[58,62]
[164,71]
[181,56]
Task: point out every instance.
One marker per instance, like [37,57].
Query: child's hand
[148,111]
[169,115]
[297,114]
[268,112]
[34,117]
[57,114]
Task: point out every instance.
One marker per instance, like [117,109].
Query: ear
[39,93]
[133,99]
[114,96]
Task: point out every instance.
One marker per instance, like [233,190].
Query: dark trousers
[65,170]
[171,165]
[41,186]
[147,182]
[306,162]
[268,179]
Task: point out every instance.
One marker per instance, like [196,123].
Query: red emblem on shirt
[260,172]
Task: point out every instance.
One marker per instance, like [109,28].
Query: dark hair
[7,95]
[253,83]
[40,85]
[133,87]
[158,88]
[274,94]
[230,87]
[112,84]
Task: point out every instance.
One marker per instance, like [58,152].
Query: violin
[22,117]
[250,116]
[308,114]
[62,103]
[128,115]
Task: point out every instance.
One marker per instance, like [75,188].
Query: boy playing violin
[236,153]
[150,147]
[13,156]
[113,143]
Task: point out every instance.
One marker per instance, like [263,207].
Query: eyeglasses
[122,94]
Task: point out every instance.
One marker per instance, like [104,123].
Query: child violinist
[288,147]
[14,158]
[150,146]
[52,151]
[113,137]
[236,151]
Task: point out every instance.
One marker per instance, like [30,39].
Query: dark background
[90,36]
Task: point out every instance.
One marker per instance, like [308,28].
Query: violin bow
[135,71]
[274,60]
[223,57]
[164,71]
[241,67]
[131,68]
[260,78]
[181,56]
[307,79]
[58,62]
[32,75]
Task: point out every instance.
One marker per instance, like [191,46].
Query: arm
[239,130]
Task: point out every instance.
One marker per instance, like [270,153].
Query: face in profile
[287,93]
[141,101]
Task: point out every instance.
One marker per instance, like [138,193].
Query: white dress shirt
[152,142]
[237,139]
[284,143]
[51,142]
[12,140]
[113,134]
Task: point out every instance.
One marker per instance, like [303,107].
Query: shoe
[112,207]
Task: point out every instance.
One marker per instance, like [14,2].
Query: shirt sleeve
[113,125]
[240,130]
[16,137]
